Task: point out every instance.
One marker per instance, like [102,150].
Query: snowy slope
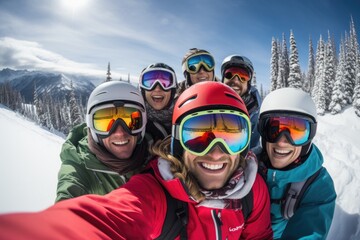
[29,162]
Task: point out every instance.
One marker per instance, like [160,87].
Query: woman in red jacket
[208,181]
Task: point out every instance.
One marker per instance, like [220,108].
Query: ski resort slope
[29,162]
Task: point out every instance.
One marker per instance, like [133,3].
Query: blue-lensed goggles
[200,131]
[195,62]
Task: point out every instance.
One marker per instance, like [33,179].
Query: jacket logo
[236,228]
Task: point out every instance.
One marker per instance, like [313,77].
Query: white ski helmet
[289,100]
[115,92]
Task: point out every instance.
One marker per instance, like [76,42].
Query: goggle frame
[264,134]
[201,63]
[157,81]
[225,146]
[124,125]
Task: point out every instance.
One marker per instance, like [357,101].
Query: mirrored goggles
[195,62]
[243,74]
[200,131]
[105,117]
[165,78]
[298,130]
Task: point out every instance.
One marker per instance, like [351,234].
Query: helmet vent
[234,97]
[188,101]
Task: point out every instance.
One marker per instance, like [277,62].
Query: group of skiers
[185,160]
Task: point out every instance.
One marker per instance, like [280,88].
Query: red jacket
[137,211]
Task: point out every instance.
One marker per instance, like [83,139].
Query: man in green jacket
[104,153]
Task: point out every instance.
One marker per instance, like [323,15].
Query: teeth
[121,142]
[158,97]
[212,166]
[282,151]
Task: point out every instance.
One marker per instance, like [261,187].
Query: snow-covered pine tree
[329,76]
[317,72]
[319,95]
[295,73]
[108,73]
[285,60]
[274,64]
[349,78]
[309,80]
[356,102]
[253,80]
[75,115]
[39,106]
[281,78]
[337,97]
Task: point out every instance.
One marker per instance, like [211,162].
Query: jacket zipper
[217,223]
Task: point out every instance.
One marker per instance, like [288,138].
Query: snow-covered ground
[29,162]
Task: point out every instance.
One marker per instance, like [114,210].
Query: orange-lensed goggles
[106,117]
[242,73]
[298,130]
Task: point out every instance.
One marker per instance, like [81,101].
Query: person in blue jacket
[237,72]
[287,125]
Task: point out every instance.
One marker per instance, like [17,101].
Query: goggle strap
[176,131]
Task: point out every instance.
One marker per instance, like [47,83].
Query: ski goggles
[165,78]
[199,132]
[242,73]
[105,118]
[298,130]
[195,62]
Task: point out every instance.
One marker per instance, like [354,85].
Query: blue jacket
[314,215]
[254,115]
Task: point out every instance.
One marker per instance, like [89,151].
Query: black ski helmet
[160,66]
[237,61]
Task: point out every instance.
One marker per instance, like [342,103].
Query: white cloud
[19,54]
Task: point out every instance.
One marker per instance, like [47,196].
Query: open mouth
[281,152]
[157,99]
[213,167]
[121,143]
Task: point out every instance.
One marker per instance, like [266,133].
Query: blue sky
[84,35]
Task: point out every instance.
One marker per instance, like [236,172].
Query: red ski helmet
[203,96]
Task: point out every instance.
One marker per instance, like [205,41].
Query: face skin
[212,170]
[120,143]
[201,76]
[158,98]
[237,85]
[282,153]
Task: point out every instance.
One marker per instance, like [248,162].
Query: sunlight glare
[74,5]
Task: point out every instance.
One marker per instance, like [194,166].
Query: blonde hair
[178,168]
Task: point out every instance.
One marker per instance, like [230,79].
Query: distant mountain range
[55,84]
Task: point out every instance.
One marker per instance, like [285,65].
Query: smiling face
[282,153]
[120,143]
[241,87]
[201,76]
[158,98]
[212,170]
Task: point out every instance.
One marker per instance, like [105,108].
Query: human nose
[120,130]
[157,88]
[202,69]
[216,152]
[283,140]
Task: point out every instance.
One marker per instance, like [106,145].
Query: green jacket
[81,172]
